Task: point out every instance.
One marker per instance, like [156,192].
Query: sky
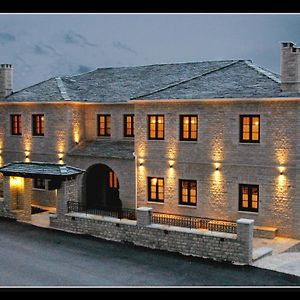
[41,46]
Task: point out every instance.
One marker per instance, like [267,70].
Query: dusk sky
[41,46]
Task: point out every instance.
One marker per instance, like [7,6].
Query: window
[16,124]
[113,180]
[39,183]
[188,192]
[129,125]
[155,189]
[248,198]
[249,129]
[156,127]
[103,125]
[38,125]
[188,128]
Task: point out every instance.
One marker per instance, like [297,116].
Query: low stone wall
[200,243]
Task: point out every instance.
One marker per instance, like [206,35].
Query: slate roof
[104,149]
[27,169]
[198,80]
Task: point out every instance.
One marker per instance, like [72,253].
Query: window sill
[248,212]
[36,189]
[38,136]
[16,135]
[252,144]
[188,142]
[154,202]
[187,206]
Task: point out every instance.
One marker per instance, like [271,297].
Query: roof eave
[149,101]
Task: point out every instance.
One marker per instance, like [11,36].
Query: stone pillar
[245,237]
[26,199]
[6,195]
[143,216]
[67,192]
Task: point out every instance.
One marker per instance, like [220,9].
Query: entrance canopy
[43,170]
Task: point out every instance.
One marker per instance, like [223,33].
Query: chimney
[290,67]
[6,78]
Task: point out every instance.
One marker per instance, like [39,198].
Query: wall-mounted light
[281,170]
[171,164]
[141,162]
[217,166]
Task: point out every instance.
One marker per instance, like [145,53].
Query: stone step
[261,252]
[265,232]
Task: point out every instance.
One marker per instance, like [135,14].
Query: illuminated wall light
[217,166]
[141,162]
[171,164]
[16,181]
[60,158]
[281,170]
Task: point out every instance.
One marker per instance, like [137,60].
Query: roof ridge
[62,88]
[186,80]
[262,71]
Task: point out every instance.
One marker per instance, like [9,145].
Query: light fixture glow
[217,166]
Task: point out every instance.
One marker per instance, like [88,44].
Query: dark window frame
[156,191]
[106,133]
[39,184]
[181,126]
[250,141]
[19,124]
[156,127]
[38,128]
[250,192]
[189,181]
[132,121]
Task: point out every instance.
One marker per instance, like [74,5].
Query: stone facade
[66,125]
[218,142]
[218,161]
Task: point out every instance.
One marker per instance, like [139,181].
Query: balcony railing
[124,213]
[194,222]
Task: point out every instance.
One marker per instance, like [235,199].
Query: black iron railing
[124,213]
[158,218]
[194,222]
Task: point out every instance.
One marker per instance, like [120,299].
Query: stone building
[215,139]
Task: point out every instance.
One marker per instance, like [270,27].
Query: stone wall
[218,142]
[200,243]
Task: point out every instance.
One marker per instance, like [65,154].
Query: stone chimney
[6,80]
[290,67]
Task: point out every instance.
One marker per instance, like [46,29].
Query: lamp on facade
[217,166]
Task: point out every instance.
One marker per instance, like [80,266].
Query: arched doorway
[102,188]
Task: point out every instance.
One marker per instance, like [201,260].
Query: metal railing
[194,222]
[124,213]
[158,218]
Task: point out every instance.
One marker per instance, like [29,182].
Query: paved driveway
[32,256]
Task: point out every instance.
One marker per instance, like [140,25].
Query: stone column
[67,192]
[245,237]
[61,200]
[26,199]
[6,206]
[143,216]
